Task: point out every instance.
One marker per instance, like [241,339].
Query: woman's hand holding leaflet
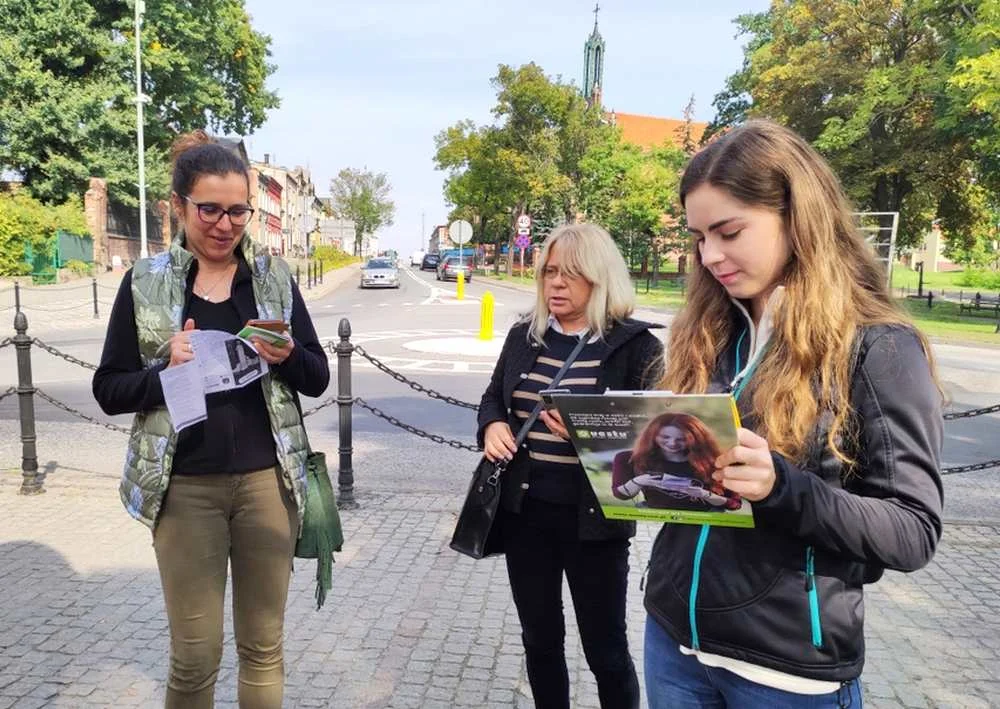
[747,468]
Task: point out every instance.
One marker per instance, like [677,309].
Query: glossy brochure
[649,456]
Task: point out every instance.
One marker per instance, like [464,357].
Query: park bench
[988,305]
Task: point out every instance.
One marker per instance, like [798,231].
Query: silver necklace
[204,295]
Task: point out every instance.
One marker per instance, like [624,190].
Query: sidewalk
[409,623]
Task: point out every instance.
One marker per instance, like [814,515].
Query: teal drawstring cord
[699,550]
[814,622]
[695,578]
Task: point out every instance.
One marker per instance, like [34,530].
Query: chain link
[412,429]
[326,402]
[970,468]
[9,392]
[6,342]
[69,409]
[412,384]
[62,355]
[972,412]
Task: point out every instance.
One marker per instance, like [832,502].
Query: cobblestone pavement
[409,623]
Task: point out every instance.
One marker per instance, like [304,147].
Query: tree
[871,86]
[363,197]
[528,161]
[67,87]
[686,131]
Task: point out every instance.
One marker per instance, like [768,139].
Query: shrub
[28,226]
[332,257]
[79,268]
[980,278]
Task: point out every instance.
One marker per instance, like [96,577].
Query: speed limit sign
[524,222]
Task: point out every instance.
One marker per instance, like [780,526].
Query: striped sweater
[555,474]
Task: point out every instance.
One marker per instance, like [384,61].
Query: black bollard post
[93,282]
[345,402]
[309,274]
[17,297]
[321,270]
[298,281]
[32,482]
[930,299]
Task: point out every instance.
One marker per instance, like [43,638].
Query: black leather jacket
[633,361]
[788,594]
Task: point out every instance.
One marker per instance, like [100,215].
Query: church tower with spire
[593,65]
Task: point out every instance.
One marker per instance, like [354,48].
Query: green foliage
[532,159]
[28,226]
[363,197]
[899,95]
[977,278]
[67,87]
[79,268]
[332,257]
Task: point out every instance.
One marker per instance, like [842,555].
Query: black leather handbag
[476,532]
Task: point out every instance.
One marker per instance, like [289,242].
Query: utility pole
[140,99]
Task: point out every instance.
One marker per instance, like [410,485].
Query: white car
[417,258]
[380,273]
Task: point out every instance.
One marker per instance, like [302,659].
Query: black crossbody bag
[476,533]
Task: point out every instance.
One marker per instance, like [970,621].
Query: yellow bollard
[460,286]
[486,317]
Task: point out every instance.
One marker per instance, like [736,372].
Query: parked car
[450,267]
[417,257]
[380,273]
[430,262]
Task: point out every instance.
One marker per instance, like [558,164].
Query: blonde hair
[587,251]
[833,286]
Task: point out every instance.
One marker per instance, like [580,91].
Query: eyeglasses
[211,213]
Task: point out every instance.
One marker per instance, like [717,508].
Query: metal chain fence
[79,414]
[435,438]
[413,429]
[412,384]
[62,355]
[972,412]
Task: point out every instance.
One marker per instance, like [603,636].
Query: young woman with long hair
[789,310]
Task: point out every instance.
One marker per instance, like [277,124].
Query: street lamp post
[140,99]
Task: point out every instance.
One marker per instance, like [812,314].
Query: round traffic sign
[460,231]
[523,221]
[522,242]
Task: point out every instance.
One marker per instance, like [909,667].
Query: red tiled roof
[651,132]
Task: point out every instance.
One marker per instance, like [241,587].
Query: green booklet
[278,339]
[649,455]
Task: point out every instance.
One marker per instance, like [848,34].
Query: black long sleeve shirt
[236,436]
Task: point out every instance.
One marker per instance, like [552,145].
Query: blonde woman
[789,310]
[551,524]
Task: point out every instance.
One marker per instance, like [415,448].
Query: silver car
[380,273]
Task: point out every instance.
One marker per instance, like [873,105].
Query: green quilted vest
[158,285]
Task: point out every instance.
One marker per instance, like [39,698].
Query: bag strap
[530,421]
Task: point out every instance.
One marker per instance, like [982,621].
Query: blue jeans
[678,681]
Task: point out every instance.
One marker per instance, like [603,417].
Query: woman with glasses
[550,524]
[225,492]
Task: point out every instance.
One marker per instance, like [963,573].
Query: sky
[369,83]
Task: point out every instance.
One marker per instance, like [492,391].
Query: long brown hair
[833,286]
[702,448]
